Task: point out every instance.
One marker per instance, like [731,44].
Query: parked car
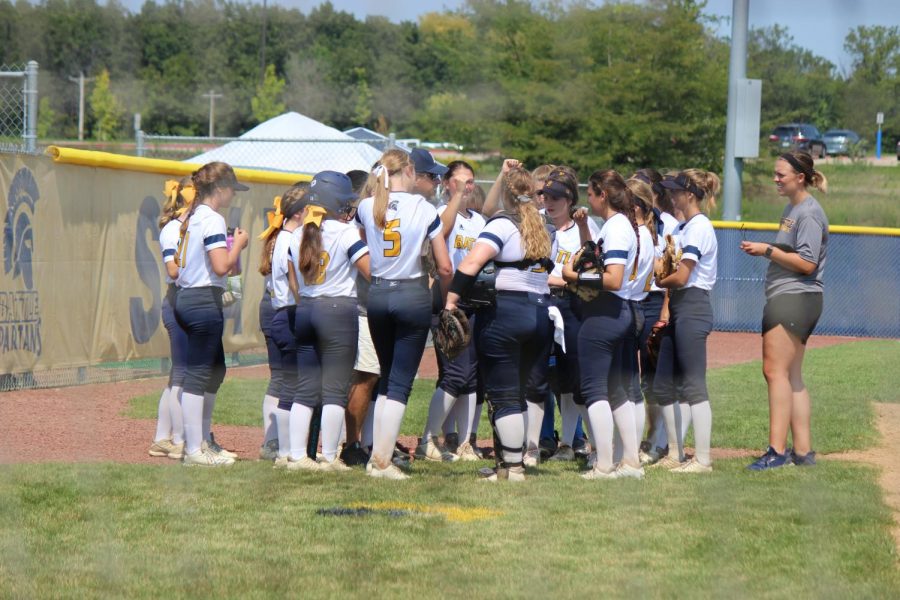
[840,141]
[798,136]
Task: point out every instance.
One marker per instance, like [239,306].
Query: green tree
[47,118]
[106,109]
[267,101]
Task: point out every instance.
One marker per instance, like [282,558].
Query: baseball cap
[229,179]
[682,183]
[331,190]
[425,163]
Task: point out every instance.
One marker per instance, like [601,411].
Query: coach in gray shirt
[793,306]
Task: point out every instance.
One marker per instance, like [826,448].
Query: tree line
[618,84]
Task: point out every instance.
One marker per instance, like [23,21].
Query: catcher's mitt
[587,260]
[655,340]
[670,259]
[452,333]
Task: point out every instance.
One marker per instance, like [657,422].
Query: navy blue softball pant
[399,317]
[568,377]
[276,378]
[286,348]
[652,306]
[607,322]
[178,340]
[513,339]
[327,332]
[199,312]
[681,368]
[460,375]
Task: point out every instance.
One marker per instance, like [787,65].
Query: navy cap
[425,163]
[331,190]
[229,179]
[682,183]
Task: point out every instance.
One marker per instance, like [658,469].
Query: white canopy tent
[294,143]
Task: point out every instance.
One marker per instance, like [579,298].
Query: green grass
[857,194]
[843,381]
[250,531]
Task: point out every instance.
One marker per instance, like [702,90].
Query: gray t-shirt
[804,228]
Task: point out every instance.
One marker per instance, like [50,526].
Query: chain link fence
[862,289]
[18,107]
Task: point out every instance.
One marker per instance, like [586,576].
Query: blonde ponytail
[391,163]
[518,185]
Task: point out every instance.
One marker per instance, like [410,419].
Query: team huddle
[533,306]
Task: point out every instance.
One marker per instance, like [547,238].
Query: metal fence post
[139,148]
[392,141]
[31,106]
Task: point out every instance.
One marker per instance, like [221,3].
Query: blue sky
[819,25]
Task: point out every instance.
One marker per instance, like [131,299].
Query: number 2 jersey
[341,248]
[396,250]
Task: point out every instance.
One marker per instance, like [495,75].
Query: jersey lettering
[392,236]
[463,242]
[324,259]
[562,257]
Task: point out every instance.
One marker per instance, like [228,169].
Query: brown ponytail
[310,260]
[293,201]
[643,194]
[619,197]
[802,162]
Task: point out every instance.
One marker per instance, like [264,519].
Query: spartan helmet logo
[18,238]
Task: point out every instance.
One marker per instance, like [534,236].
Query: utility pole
[80,81]
[212,95]
[737,70]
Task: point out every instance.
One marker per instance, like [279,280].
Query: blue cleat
[807,460]
[771,460]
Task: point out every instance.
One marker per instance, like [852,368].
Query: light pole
[80,81]
[212,95]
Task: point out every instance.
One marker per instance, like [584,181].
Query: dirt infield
[87,423]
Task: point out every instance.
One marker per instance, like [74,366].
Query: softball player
[607,323]
[169,439]
[203,263]
[793,306]
[511,335]
[326,327]
[396,224]
[454,397]
[656,314]
[270,448]
[681,367]
[560,193]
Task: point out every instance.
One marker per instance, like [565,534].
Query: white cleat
[434,452]
[466,452]
[206,458]
[692,466]
[532,458]
[333,466]
[624,471]
[392,472]
[305,463]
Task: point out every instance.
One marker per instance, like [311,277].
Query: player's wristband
[462,283]
[769,251]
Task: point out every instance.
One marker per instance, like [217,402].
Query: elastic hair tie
[381,169]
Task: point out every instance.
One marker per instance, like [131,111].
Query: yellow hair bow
[314,214]
[171,190]
[276,218]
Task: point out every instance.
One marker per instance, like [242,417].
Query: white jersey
[286,248]
[341,248]
[619,248]
[168,244]
[665,225]
[396,250]
[640,275]
[568,242]
[462,237]
[206,231]
[697,239]
[502,235]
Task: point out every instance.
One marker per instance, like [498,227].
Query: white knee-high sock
[569,413]
[535,419]
[439,409]
[283,420]
[476,420]
[163,417]
[366,435]
[672,416]
[640,421]
[192,409]
[685,410]
[586,421]
[449,423]
[511,430]
[601,425]
[465,414]
[376,417]
[702,415]
[332,425]
[209,403]
[175,415]
[625,423]
[270,427]
[387,428]
[301,416]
